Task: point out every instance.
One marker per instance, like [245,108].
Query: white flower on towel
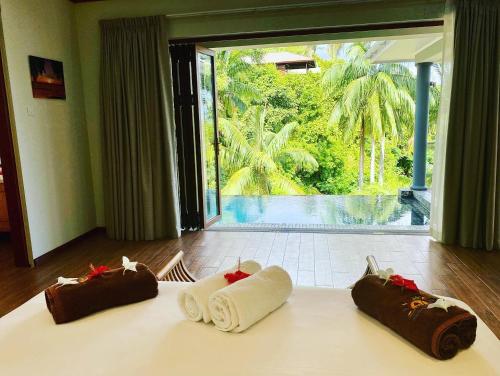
[385,274]
[441,303]
[129,265]
[67,281]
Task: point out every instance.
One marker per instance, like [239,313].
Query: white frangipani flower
[441,303]
[129,265]
[385,274]
[67,281]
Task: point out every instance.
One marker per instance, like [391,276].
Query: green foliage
[253,157]
[284,133]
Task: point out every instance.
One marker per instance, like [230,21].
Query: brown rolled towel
[110,289]
[437,332]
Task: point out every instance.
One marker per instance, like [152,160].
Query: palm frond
[356,94]
[301,158]
[262,162]
[390,119]
[280,139]
[238,182]
[259,126]
[385,85]
[233,139]
[285,185]
[336,114]
[374,114]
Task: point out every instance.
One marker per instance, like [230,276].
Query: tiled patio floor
[318,259]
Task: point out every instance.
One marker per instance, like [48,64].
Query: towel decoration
[385,274]
[96,272]
[61,281]
[73,298]
[409,284]
[237,275]
[442,304]
[128,265]
[193,300]
[435,325]
[240,305]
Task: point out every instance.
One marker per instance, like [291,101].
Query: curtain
[436,225]
[471,196]
[139,166]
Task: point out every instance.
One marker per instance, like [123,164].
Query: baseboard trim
[43,258]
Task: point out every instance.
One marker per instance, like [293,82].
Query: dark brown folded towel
[438,332]
[110,289]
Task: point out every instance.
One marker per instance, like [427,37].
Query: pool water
[386,210]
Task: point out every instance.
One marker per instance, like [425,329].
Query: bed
[318,332]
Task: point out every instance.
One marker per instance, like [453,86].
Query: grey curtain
[471,214]
[140,179]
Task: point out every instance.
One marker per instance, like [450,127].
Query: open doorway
[332,135]
[13,244]
[6,252]
[322,136]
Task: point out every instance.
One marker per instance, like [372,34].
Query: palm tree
[252,156]
[235,91]
[369,99]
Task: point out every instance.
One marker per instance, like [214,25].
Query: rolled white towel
[240,305]
[193,300]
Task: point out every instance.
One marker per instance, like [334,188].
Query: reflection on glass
[207,115]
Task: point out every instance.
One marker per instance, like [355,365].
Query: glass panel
[208,127]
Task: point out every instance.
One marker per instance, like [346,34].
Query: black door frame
[189,136]
[11,179]
[183,71]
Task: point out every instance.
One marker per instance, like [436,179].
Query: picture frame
[47,78]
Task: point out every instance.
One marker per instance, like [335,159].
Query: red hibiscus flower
[411,285]
[96,271]
[398,280]
[236,276]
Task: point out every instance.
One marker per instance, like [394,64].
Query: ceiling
[418,49]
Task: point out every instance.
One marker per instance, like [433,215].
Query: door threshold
[329,229]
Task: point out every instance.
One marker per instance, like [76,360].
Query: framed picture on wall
[47,78]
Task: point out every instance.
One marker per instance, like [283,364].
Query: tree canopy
[310,133]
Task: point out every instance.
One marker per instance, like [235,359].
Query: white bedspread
[318,332]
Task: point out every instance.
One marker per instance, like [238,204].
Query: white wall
[188,18]
[51,134]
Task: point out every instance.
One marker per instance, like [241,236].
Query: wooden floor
[312,259]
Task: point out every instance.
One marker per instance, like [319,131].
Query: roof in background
[284,57]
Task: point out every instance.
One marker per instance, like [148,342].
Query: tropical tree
[252,156]
[372,100]
[235,91]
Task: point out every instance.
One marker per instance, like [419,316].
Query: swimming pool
[323,210]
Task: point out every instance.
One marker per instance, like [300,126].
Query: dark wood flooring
[314,259]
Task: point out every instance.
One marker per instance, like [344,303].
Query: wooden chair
[371,268]
[175,271]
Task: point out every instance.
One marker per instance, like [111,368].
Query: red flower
[411,285]
[236,276]
[96,272]
[398,280]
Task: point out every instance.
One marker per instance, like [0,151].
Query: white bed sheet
[318,332]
